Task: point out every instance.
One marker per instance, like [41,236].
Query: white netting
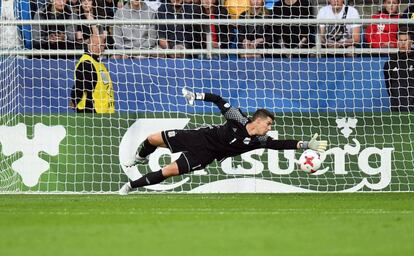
[9,109]
[279,57]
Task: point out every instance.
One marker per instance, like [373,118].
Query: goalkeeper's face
[263,125]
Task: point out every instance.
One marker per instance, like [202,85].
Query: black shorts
[194,155]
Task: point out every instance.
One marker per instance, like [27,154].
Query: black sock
[148,179]
[146,149]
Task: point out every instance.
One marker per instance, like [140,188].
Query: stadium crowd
[199,36]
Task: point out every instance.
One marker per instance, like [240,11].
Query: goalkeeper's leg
[186,163]
[146,148]
[150,178]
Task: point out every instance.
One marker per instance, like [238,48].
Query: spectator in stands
[35,5]
[54,36]
[292,35]
[409,14]
[399,74]
[135,36]
[105,10]
[211,36]
[155,4]
[254,36]
[384,35]
[75,5]
[339,35]
[173,36]
[9,35]
[87,11]
[236,7]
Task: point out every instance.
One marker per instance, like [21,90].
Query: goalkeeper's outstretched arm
[190,96]
[232,113]
[223,105]
[229,112]
[314,144]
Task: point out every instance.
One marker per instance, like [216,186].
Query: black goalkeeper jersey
[232,138]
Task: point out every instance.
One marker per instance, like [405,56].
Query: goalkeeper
[202,146]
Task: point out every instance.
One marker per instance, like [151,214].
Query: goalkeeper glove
[189,96]
[319,146]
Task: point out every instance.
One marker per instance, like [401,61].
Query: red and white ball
[310,161]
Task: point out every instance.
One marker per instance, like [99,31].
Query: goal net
[9,109]
[250,61]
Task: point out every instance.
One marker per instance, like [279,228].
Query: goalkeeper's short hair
[263,113]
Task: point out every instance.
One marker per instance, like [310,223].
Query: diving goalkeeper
[202,146]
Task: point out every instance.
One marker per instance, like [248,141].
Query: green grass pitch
[185,224]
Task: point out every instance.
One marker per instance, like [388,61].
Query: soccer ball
[310,161]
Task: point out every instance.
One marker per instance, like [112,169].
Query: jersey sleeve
[228,111]
[270,143]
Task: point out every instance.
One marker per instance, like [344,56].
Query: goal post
[46,147]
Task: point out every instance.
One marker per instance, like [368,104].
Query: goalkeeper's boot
[125,189]
[137,160]
[189,96]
